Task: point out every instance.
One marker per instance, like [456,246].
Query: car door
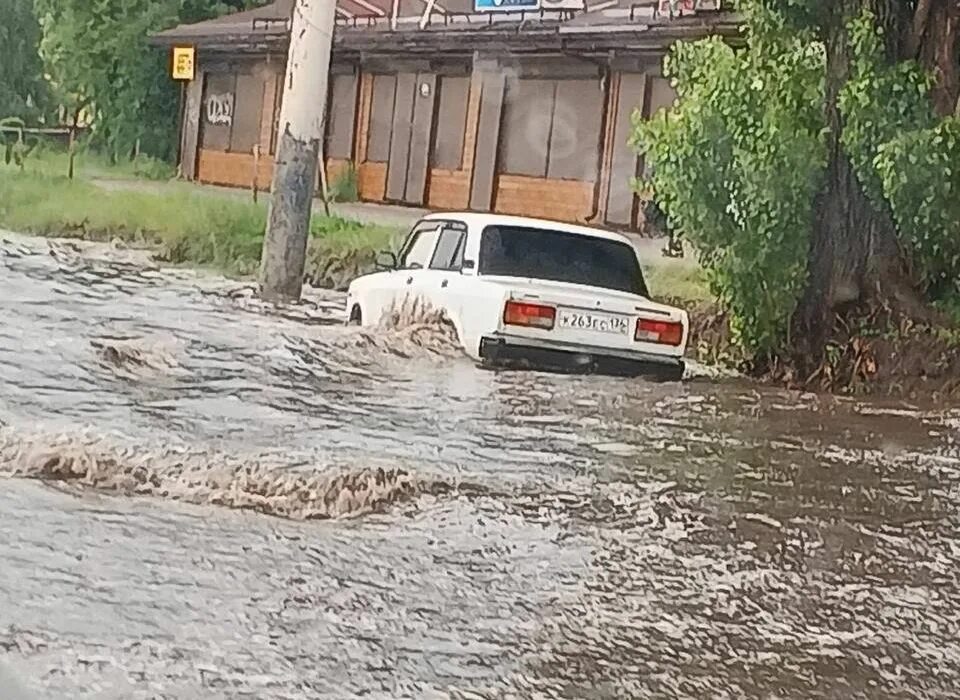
[442,284]
[386,290]
[414,261]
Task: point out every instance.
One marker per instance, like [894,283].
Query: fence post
[256,172]
[72,151]
[322,166]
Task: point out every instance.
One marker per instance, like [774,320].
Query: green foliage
[903,156]
[150,168]
[52,158]
[738,161]
[950,306]
[920,175]
[23,91]
[879,101]
[97,56]
[677,284]
[345,186]
[803,15]
[736,165]
[188,226]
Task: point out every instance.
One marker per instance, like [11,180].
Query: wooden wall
[371,177]
[336,167]
[236,169]
[450,189]
[564,200]
[603,197]
[233,169]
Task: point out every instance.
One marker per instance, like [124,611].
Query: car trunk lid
[588,315]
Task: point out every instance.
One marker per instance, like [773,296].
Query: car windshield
[516,251]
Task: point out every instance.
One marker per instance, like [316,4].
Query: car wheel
[356,317]
[669,374]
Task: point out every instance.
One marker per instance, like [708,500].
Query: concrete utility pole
[298,150]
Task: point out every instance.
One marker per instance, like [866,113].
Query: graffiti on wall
[220,109]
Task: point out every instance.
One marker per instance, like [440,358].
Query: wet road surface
[203,498]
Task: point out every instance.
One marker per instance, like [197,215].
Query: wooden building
[437,105]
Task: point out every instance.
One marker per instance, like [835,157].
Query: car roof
[481,220]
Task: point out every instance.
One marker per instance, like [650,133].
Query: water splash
[407,329]
[86,460]
[131,358]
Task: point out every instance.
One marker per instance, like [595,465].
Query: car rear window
[517,251]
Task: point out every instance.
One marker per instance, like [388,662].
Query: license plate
[599,323]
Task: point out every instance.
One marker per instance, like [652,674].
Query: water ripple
[169,444]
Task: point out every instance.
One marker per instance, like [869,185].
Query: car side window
[419,249]
[449,253]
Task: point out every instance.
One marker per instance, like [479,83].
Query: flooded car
[527,292]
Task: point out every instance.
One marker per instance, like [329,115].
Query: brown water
[209,499]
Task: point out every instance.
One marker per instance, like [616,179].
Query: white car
[528,292]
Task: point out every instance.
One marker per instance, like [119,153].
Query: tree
[932,38]
[855,254]
[97,55]
[789,164]
[23,91]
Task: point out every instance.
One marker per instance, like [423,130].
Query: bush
[738,161]
[345,186]
[920,175]
[878,101]
[736,165]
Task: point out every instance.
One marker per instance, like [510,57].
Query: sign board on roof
[184,65]
[505,5]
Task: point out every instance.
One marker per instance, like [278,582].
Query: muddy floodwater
[201,497]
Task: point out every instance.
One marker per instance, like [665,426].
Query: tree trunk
[938,53]
[854,255]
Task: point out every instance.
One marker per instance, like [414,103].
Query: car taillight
[663,332]
[518,313]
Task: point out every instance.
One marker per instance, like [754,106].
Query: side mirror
[468,265]
[386,261]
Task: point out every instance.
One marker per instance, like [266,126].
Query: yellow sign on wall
[184,67]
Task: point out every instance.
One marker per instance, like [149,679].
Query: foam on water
[134,357]
[83,459]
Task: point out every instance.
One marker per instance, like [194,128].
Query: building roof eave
[400,43]
[237,42]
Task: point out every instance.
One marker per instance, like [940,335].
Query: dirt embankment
[328,268]
[871,355]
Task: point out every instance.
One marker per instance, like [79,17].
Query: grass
[345,187]
[680,285]
[186,225]
[89,163]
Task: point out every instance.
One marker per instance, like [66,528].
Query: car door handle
[444,284]
[409,280]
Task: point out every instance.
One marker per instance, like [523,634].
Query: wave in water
[133,357]
[408,328]
[85,460]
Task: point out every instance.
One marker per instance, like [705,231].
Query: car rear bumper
[501,350]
